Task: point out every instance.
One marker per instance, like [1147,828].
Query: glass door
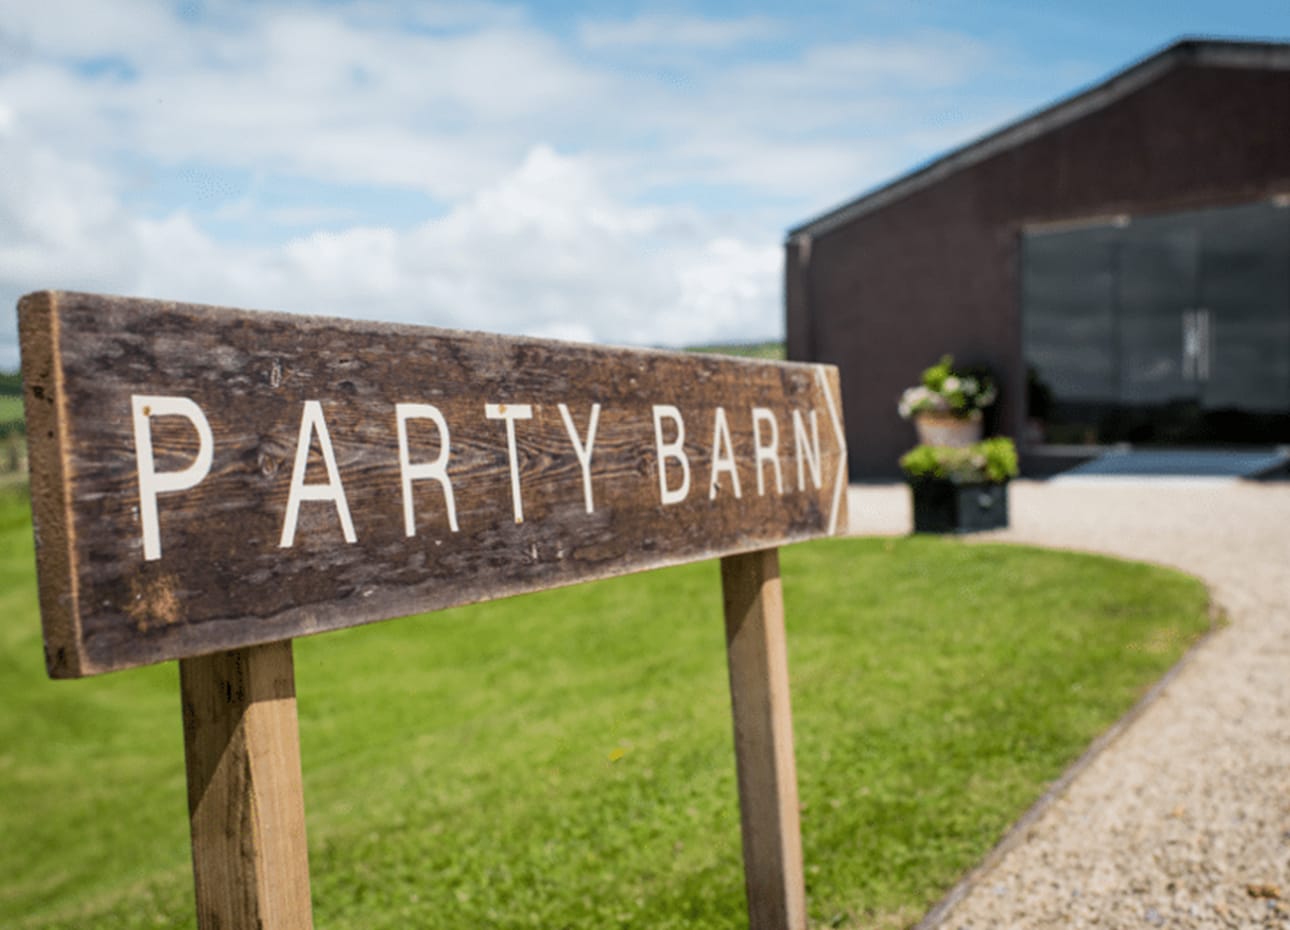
[1165,330]
[1243,307]
[1069,331]
[1160,331]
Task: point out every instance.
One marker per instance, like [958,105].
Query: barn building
[1120,260]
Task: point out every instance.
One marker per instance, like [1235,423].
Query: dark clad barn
[1129,245]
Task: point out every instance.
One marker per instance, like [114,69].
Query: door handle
[1190,345]
[1196,344]
[1205,338]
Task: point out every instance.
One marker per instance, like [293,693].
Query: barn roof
[1211,53]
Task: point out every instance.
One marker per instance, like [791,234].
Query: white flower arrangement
[945,391]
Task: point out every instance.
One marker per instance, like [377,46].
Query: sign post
[758,659]
[208,484]
[242,750]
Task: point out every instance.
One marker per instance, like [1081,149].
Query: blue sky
[616,172]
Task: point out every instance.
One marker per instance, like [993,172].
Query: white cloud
[58,217]
[306,91]
[70,28]
[546,250]
[338,94]
[551,241]
[935,59]
[566,193]
[815,123]
[670,31]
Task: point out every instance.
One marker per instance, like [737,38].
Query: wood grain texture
[51,491]
[245,797]
[223,580]
[768,805]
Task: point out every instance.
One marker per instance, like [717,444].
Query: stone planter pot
[945,429]
[942,506]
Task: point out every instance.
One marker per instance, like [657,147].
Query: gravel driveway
[1183,820]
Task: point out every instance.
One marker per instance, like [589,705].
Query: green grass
[460,768]
[10,409]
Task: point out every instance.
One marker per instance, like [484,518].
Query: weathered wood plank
[210,478]
[51,491]
[758,660]
[245,797]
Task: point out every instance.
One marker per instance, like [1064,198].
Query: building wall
[886,294]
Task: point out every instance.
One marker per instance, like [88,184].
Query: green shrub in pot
[991,461]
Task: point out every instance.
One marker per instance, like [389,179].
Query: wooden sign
[205,479]
[209,483]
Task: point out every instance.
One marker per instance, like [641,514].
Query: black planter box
[945,507]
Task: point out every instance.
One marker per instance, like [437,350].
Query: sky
[612,172]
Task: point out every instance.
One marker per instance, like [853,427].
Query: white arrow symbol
[839,481]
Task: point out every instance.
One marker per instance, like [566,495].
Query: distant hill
[10,384]
[769,350]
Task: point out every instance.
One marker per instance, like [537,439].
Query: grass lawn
[565,759]
[10,409]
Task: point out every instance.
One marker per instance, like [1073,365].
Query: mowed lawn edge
[565,759]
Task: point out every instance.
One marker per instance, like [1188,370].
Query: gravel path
[1184,819]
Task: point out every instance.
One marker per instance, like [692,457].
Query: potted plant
[946,405]
[960,489]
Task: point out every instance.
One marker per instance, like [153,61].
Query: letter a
[311,420]
[722,461]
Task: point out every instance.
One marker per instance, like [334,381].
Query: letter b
[671,450]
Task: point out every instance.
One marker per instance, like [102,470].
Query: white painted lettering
[671,450]
[510,413]
[722,461]
[311,421]
[766,451]
[808,456]
[583,452]
[438,469]
[152,482]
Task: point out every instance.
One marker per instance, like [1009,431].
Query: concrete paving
[1183,820]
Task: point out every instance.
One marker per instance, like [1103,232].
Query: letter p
[153,482]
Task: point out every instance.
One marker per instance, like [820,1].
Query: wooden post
[245,799]
[755,648]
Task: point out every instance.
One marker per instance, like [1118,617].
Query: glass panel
[1244,292]
[1169,330]
[1159,393]
[1068,318]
